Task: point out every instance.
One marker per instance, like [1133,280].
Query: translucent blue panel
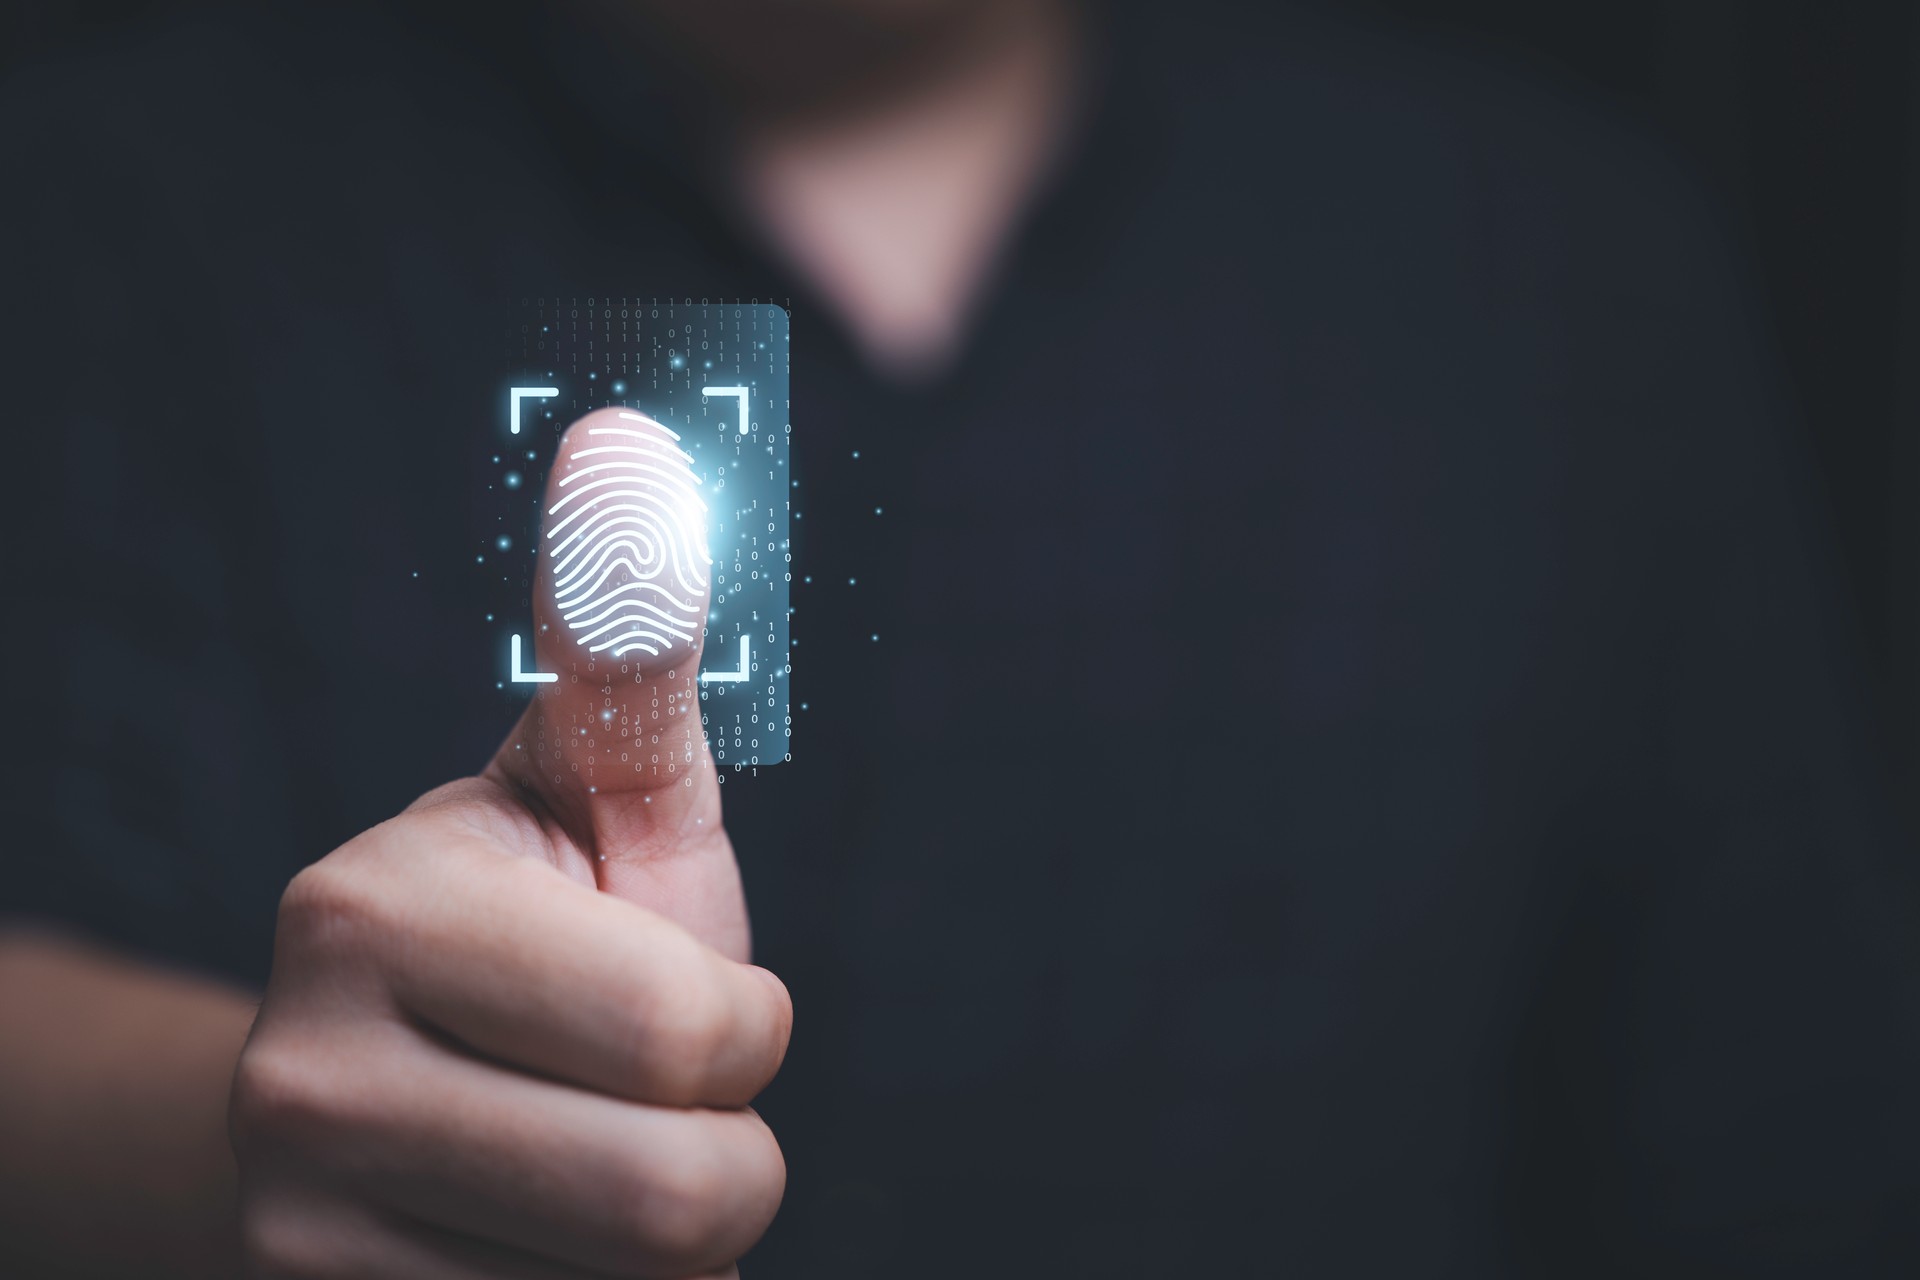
[715,374]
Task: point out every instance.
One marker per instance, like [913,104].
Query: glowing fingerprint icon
[629,541]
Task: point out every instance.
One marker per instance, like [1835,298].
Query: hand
[512,1032]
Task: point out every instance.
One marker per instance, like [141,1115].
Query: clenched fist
[513,1032]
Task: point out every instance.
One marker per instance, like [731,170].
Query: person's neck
[894,209]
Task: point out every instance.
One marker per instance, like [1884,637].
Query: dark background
[1802,121]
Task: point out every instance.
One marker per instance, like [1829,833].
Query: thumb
[610,753]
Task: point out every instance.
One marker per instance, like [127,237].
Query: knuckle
[681,1216]
[685,1029]
[782,1018]
[327,904]
[276,1094]
[766,1183]
[278,1244]
[702,1211]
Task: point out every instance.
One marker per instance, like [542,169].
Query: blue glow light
[516,394]
[519,676]
[739,393]
[744,672]
[642,517]
[577,549]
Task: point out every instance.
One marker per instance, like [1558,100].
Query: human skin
[601,991]
[884,148]
[114,1078]
[513,1031]
[510,1032]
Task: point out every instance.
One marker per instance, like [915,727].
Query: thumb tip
[624,569]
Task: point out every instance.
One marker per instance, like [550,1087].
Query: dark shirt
[1359,773]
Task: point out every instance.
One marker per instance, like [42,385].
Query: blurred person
[1336,751]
